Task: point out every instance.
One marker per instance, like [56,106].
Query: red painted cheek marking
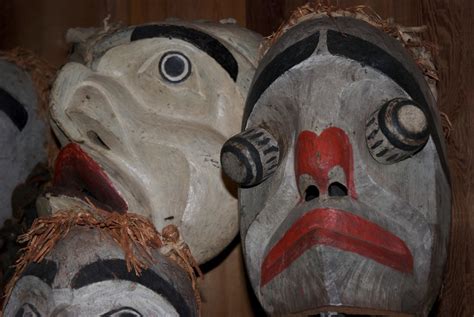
[317,155]
[341,230]
[76,170]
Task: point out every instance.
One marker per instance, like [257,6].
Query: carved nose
[250,157]
[396,131]
[324,164]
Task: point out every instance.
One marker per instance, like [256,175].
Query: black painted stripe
[382,153]
[271,159]
[254,155]
[392,138]
[400,102]
[394,156]
[203,41]
[370,122]
[366,53]
[373,134]
[45,270]
[116,269]
[13,109]
[291,56]
[124,311]
[227,148]
[271,149]
[263,142]
[376,144]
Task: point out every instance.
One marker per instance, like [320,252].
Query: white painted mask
[22,132]
[345,201]
[148,117]
[93,280]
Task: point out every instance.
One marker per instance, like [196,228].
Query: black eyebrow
[203,41]
[284,61]
[366,53]
[116,269]
[13,109]
[45,270]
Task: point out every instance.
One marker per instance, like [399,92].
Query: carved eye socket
[27,310]
[122,312]
[175,67]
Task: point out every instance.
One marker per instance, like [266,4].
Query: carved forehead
[234,48]
[351,39]
[87,256]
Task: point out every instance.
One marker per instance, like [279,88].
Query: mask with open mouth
[345,198]
[147,117]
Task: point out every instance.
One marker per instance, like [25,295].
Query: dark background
[40,25]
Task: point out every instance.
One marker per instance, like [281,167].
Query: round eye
[175,67]
[122,312]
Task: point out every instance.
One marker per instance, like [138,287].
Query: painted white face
[150,118]
[346,197]
[94,281]
[22,132]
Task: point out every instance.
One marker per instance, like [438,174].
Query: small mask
[86,274]
[148,116]
[345,198]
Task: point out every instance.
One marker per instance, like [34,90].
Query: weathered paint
[336,227]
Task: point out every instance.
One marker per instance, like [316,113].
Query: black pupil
[174,66]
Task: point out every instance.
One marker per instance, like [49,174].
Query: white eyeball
[175,67]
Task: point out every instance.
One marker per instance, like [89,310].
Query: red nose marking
[317,155]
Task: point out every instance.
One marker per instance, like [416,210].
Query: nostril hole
[337,189]
[95,138]
[312,192]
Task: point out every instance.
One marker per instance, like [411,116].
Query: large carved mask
[148,116]
[345,198]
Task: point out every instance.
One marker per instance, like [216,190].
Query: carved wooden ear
[396,131]
[250,157]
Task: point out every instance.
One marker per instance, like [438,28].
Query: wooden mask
[86,274]
[148,115]
[345,198]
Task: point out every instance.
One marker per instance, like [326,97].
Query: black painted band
[392,138]
[45,270]
[116,269]
[255,157]
[228,148]
[366,53]
[414,136]
[291,56]
[13,109]
[203,41]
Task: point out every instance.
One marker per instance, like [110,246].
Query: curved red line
[339,229]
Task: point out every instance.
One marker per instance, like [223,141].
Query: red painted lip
[76,170]
[339,229]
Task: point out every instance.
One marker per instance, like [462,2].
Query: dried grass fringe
[134,234]
[422,51]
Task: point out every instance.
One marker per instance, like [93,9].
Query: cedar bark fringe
[134,234]
[421,51]
[42,75]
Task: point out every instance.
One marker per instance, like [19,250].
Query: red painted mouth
[339,229]
[77,171]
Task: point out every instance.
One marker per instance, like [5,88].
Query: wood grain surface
[451,28]
[40,26]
